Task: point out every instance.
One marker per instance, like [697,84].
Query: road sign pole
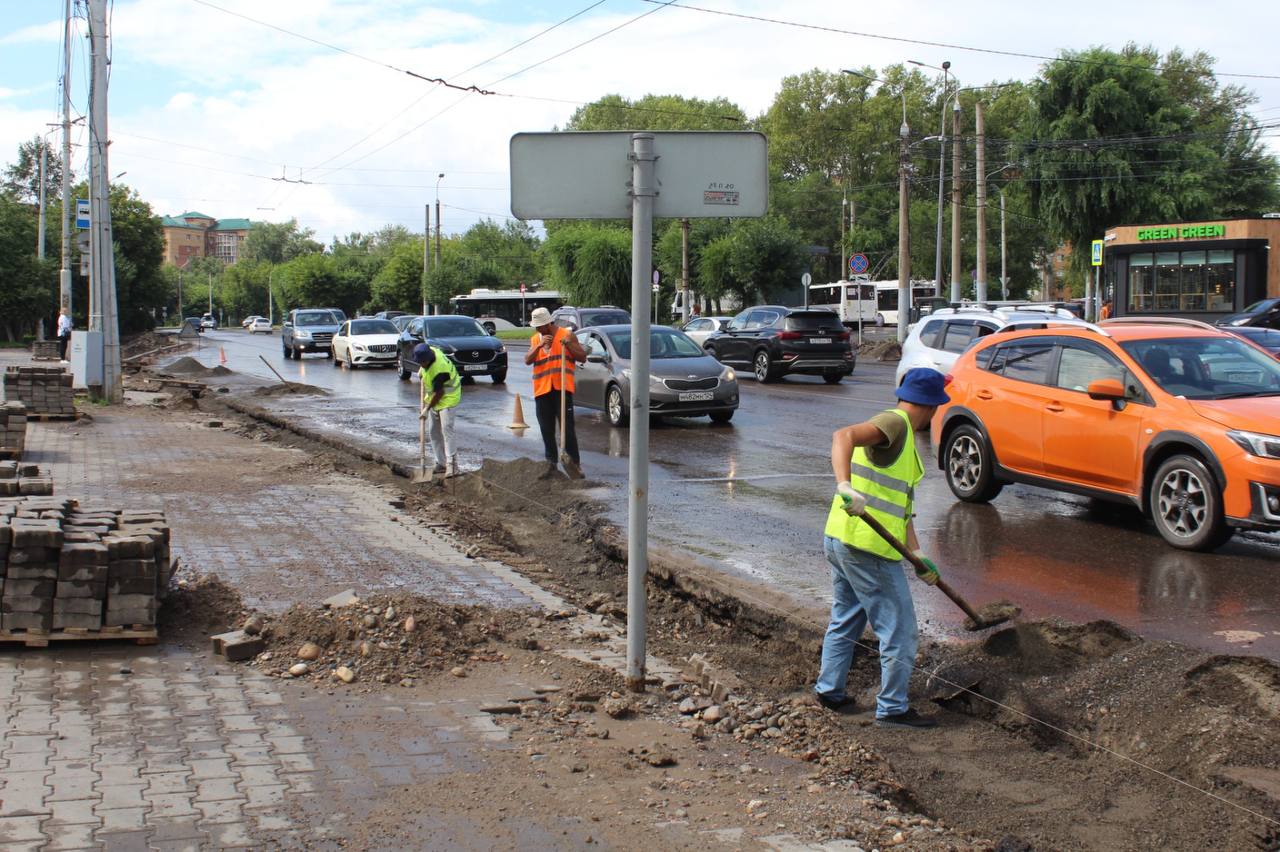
[642,194]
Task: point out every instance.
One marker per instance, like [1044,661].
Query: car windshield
[315,318]
[1257,307]
[454,327]
[1207,367]
[593,317]
[663,343]
[372,326]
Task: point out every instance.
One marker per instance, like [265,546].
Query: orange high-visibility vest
[546,369]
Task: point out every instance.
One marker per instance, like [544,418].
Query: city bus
[499,310]
[887,300]
[854,301]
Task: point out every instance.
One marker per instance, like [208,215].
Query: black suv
[775,341]
[579,318]
[471,349]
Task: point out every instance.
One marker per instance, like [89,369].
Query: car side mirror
[1107,389]
[597,359]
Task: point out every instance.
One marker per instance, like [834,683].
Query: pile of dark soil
[290,389]
[881,350]
[188,366]
[386,639]
[199,606]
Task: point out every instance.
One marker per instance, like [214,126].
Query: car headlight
[1241,321]
[502,347]
[656,381]
[302,335]
[1257,444]
[728,375]
[358,347]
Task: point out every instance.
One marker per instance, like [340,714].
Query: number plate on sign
[475,368]
[697,396]
[819,339]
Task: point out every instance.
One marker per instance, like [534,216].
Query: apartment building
[194,234]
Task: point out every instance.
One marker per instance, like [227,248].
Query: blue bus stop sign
[858,264]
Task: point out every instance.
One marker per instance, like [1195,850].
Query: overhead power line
[949,46]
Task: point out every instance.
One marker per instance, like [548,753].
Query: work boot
[453,467]
[908,719]
[574,469]
[844,706]
[438,469]
[550,472]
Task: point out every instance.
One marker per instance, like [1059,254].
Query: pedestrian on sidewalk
[441,393]
[64,333]
[554,351]
[877,468]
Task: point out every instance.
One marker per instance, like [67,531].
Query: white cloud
[50,32]
[190,74]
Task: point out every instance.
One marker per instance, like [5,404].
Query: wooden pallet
[42,417]
[140,634]
[10,454]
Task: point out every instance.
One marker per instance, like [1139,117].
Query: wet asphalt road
[753,497]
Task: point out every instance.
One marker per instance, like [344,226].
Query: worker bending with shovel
[441,393]
[877,468]
[554,353]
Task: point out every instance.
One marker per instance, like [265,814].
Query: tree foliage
[658,112]
[590,264]
[22,177]
[279,242]
[28,287]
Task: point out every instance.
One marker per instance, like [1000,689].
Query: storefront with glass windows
[1202,270]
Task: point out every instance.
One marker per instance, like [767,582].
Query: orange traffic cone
[517,416]
[222,356]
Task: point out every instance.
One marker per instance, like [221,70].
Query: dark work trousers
[63,340]
[547,408]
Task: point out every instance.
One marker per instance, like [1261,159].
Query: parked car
[260,324]
[1265,314]
[575,318]
[774,341]
[939,339]
[248,321]
[1267,338]
[390,315]
[402,321]
[365,342]
[308,330]
[700,328]
[1176,417]
[209,322]
[473,351]
[684,381]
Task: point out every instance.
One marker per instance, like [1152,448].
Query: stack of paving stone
[13,430]
[71,567]
[24,478]
[43,390]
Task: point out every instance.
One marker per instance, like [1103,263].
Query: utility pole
[181,313]
[64,271]
[439,178]
[942,177]
[955,200]
[44,166]
[102,265]
[271,299]
[684,268]
[426,254]
[1004,254]
[904,245]
[210,292]
[844,261]
[981,173]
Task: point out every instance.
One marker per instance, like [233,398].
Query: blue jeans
[865,586]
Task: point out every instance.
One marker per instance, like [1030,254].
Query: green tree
[768,258]
[28,287]
[398,284]
[590,263]
[22,177]
[658,112]
[279,242]
[1115,139]
[314,281]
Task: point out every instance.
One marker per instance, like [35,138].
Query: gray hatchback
[684,381]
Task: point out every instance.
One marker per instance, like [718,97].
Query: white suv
[937,340]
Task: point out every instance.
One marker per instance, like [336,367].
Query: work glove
[932,575]
[854,503]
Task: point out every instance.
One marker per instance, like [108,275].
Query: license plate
[697,396]
[475,368]
[819,339]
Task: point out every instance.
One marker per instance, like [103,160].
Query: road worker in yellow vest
[877,468]
[441,393]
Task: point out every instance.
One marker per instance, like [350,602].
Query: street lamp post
[1004,256]
[945,68]
[439,178]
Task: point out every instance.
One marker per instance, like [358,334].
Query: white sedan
[248,321]
[700,328]
[260,324]
[365,342]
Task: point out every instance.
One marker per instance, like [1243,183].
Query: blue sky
[207,108]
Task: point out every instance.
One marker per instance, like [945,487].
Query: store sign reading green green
[1181,232]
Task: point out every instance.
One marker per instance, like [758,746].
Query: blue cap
[923,386]
[423,354]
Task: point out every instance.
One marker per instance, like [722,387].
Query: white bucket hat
[540,317]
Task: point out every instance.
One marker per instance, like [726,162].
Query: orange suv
[1173,416]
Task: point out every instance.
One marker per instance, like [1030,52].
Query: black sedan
[1267,338]
[1263,314]
[472,351]
[773,341]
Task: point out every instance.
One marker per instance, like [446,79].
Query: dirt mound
[881,350]
[188,366]
[376,640]
[290,389]
[198,606]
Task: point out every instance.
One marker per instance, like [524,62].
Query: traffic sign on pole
[1097,252]
[82,213]
[858,263]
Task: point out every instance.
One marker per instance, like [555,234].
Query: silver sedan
[700,328]
[684,381]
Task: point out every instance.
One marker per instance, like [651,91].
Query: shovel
[420,475]
[992,614]
[570,466]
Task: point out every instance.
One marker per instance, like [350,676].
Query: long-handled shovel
[421,475]
[992,614]
[570,466]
